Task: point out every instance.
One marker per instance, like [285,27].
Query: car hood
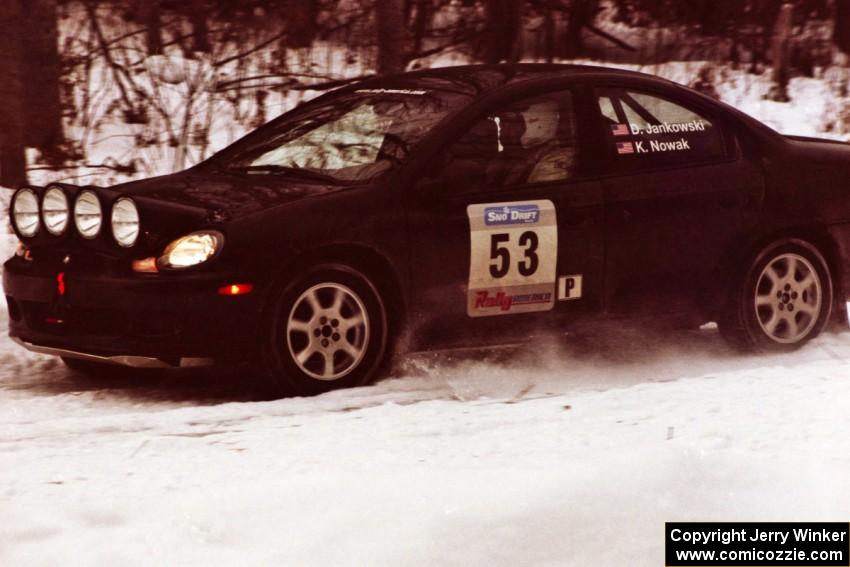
[223,196]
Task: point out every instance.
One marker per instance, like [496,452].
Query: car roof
[477,80]
[487,77]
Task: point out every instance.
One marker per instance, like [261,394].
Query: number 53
[501,255]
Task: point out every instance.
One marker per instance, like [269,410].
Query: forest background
[112,90]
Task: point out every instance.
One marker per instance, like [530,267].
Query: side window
[607,108]
[645,131]
[529,141]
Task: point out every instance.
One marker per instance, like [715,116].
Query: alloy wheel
[327,331]
[788,298]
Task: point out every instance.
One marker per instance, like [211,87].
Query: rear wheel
[328,330]
[784,301]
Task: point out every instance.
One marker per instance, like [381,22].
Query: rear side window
[645,131]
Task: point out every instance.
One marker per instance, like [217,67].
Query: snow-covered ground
[567,452]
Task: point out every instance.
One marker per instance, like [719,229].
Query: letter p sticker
[569,287]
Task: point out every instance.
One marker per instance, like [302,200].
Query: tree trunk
[841,29]
[13,165]
[148,14]
[766,11]
[200,34]
[549,31]
[421,23]
[502,33]
[781,54]
[301,23]
[40,73]
[582,13]
[392,36]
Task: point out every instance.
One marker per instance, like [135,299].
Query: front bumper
[121,360]
[158,320]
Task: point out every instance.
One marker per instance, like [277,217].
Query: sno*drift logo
[511,214]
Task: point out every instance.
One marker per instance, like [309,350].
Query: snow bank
[562,461]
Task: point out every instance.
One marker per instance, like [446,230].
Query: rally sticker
[511,214]
[569,287]
[513,257]
[655,146]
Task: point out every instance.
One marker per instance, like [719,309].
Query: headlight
[191,250]
[125,222]
[54,210]
[88,215]
[25,212]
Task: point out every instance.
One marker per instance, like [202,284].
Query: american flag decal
[625,148]
[620,129]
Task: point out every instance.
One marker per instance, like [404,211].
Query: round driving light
[125,222]
[88,215]
[25,212]
[54,210]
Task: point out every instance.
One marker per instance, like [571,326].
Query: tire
[783,300]
[327,330]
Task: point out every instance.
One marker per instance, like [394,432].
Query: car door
[678,190]
[507,228]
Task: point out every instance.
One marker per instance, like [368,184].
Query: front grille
[82,261]
[61,320]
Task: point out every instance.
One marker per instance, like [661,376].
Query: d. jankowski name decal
[663,128]
[668,128]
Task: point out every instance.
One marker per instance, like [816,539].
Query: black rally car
[457,204]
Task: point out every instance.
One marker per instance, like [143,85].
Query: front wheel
[784,301]
[328,330]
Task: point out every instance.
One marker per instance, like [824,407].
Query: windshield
[351,138]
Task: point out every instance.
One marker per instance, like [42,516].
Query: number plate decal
[513,257]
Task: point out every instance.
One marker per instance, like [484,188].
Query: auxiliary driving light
[25,212]
[125,222]
[88,214]
[54,211]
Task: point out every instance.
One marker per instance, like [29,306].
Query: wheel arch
[816,235]
[372,263]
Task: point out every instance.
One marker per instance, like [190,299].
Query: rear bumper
[137,320]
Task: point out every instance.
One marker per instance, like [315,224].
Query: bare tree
[582,14]
[781,53]
[841,29]
[12,156]
[392,36]
[421,23]
[501,38]
[148,14]
[300,18]
[200,32]
[41,71]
